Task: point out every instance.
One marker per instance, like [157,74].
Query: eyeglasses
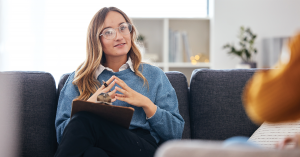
[110,33]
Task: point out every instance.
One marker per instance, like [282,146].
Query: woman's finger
[121,83]
[288,140]
[110,80]
[283,143]
[113,100]
[112,92]
[107,82]
[120,95]
[105,90]
[122,91]
[121,98]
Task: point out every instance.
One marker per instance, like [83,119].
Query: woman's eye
[123,27]
[108,33]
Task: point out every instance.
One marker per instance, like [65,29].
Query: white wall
[266,18]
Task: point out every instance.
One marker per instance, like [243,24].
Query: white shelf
[189,65]
[170,18]
[182,65]
[156,33]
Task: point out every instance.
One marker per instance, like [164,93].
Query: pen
[105,84]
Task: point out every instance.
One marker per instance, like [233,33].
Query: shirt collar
[101,68]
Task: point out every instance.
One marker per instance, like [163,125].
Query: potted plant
[247,49]
[141,44]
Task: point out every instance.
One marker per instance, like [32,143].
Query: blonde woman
[113,56]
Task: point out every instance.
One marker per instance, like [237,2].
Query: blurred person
[274,95]
[112,55]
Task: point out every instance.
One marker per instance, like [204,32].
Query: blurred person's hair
[84,75]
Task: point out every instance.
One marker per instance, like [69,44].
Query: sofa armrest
[35,102]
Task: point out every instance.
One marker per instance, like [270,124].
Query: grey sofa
[211,107]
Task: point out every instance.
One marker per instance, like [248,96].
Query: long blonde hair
[84,75]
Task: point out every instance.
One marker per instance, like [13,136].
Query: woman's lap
[86,130]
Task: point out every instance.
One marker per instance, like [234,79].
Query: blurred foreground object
[274,95]
[206,148]
[9,143]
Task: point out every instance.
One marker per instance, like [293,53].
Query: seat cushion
[216,108]
[36,100]
[179,83]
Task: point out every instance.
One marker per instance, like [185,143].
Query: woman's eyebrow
[111,27]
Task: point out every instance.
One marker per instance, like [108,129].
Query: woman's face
[120,44]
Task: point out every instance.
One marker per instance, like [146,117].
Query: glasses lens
[125,28]
[109,33]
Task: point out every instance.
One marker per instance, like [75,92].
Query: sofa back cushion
[216,108]
[36,103]
[179,83]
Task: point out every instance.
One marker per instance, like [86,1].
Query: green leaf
[226,46]
[242,28]
[248,55]
[242,44]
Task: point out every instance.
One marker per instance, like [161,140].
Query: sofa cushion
[216,108]
[179,83]
[36,101]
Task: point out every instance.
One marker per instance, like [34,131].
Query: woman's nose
[119,36]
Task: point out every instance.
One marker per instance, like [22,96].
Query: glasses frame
[119,28]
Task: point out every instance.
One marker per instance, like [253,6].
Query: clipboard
[116,114]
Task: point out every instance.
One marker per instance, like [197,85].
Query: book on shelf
[119,115]
[186,46]
[179,50]
[172,46]
[179,46]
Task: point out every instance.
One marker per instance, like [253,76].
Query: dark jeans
[89,135]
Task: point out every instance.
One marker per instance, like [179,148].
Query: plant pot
[246,65]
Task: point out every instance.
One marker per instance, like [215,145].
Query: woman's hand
[102,89]
[293,139]
[134,98]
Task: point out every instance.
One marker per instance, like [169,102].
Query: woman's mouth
[119,45]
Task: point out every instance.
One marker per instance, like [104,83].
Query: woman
[274,95]
[113,56]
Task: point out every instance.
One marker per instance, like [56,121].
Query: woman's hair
[85,74]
